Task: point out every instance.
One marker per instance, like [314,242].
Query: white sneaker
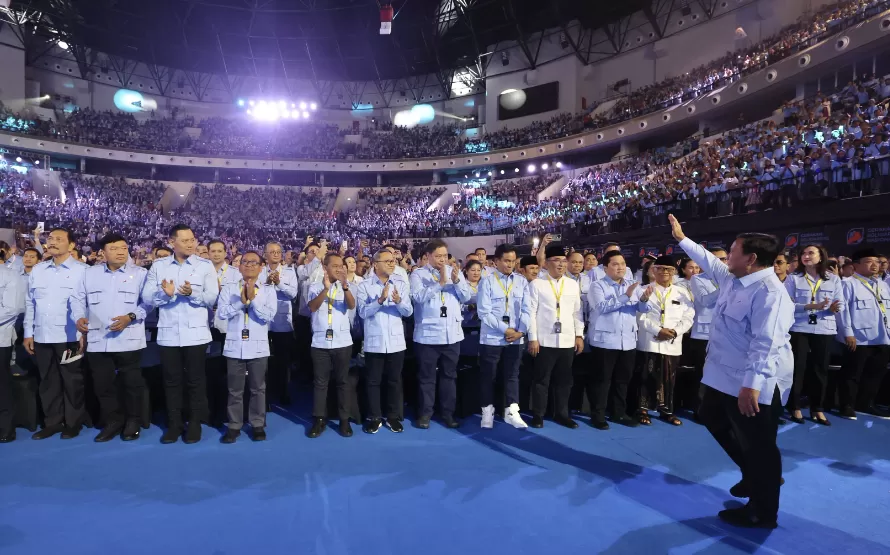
[511,417]
[488,417]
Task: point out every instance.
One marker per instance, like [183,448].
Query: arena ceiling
[335,40]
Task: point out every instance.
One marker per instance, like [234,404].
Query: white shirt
[678,316]
[540,311]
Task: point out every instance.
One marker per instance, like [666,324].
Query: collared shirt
[800,287]
[182,320]
[749,343]
[259,311]
[494,303]
[671,308]
[334,309]
[54,302]
[353,284]
[110,294]
[15,262]
[613,315]
[286,291]
[704,299]
[540,311]
[863,318]
[384,329]
[469,311]
[307,274]
[430,326]
[225,275]
[12,304]
[599,272]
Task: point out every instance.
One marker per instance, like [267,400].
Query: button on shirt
[704,299]
[863,318]
[286,291]
[110,294]
[613,315]
[384,328]
[12,304]
[182,320]
[54,301]
[339,317]
[259,311]
[430,327]
[800,287]
[225,275]
[493,303]
[749,344]
[540,311]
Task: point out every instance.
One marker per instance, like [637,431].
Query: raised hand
[274,278]
[185,289]
[168,287]
[631,289]
[647,293]
[327,282]
[396,298]
[455,274]
[385,294]
[676,229]
[250,289]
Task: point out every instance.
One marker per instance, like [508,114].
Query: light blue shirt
[225,275]
[704,299]
[800,288]
[613,315]
[15,263]
[54,301]
[598,272]
[12,304]
[307,274]
[335,307]
[493,303]
[182,320]
[749,344]
[286,291]
[110,294]
[383,325]
[863,318]
[259,311]
[430,328]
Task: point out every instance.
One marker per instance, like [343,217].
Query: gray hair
[381,251]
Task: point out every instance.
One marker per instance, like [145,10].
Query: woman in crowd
[817,297]
[687,268]
[471,323]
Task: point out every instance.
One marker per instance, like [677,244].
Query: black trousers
[7,404]
[61,385]
[125,366]
[184,362]
[751,444]
[330,364]
[303,346]
[378,365]
[811,356]
[281,345]
[862,372]
[612,371]
[556,363]
[431,358]
[504,360]
[696,350]
[658,377]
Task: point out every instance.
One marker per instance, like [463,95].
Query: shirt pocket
[95,297]
[736,317]
[803,296]
[127,296]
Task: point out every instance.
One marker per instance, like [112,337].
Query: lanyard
[555,294]
[874,292]
[256,289]
[442,293]
[507,292]
[219,278]
[662,301]
[814,289]
[331,306]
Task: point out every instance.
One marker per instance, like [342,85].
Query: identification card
[557,327]
[443,312]
[506,319]
[329,335]
[245,334]
[813,319]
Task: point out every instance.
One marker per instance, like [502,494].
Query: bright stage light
[18,159]
[305,115]
[502,172]
[36,162]
[531,168]
[545,165]
[559,164]
[477,174]
[295,114]
[249,111]
[251,102]
[282,104]
[313,106]
[516,170]
[302,105]
[63,45]
[240,102]
[489,174]
[293,105]
[262,102]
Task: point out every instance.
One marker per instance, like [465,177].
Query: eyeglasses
[665,269]
[250,263]
[273,252]
[391,261]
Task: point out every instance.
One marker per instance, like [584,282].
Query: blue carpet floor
[502,491]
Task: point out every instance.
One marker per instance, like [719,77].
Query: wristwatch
[131,316]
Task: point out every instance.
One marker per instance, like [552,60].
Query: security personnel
[437,294]
[247,307]
[865,329]
[12,305]
[614,304]
[329,302]
[115,332]
[283,280]
[502,337]
[383,300]
[555,335]
[704,298]
[183,287]
[53,305]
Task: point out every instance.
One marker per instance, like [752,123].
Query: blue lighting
[423,113]
[240,102]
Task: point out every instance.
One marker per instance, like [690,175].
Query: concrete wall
[565,70]
[12,70]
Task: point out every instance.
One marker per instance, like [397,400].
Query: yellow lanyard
[256,289]
[555,294]
[331,299]
[877,296]
[814,289]
[219,278]
[506,292]
[662,301]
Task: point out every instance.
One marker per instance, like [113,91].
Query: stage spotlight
[477,174]
[313,106]
[240,102]
[516,170]
[502,172]
[545,165]
[262,102]
[249,111]
[63,45]
[466,176]
[302,105]
[559,164]
[293,104]
[282,104]
[18,159]
[36,162]
[531,168]
[250,102]
[305,115]
[295,114]
[489,174]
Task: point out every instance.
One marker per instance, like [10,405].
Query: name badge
[506,319]
[245,334]
[557,327]
[443,312]
[813,319]
[329,335]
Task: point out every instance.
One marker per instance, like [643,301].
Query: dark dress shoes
[741,490]
[600,424]
[625,420]
[193,432]
[49,431]
[230,436]
[742,517]
[371,426]
[537,421]
[171,435]
[131,431]
[7,437]
[423,422]
[318,427]
[70,432]
[345,428]
[566,421]
[109,432]
[259,434]
[450,422]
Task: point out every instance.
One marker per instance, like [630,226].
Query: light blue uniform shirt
[383,325]
[704,299]
[15,263]
[307,274]
[492,303]
[54,301]
[430,328]
[182,321]
[225,275]
[863,318]
[749,344]
[259,312]
[110,294]
[598,272]
[286,291]
[800,288]
[12,304]
[613,315]
[336,303]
